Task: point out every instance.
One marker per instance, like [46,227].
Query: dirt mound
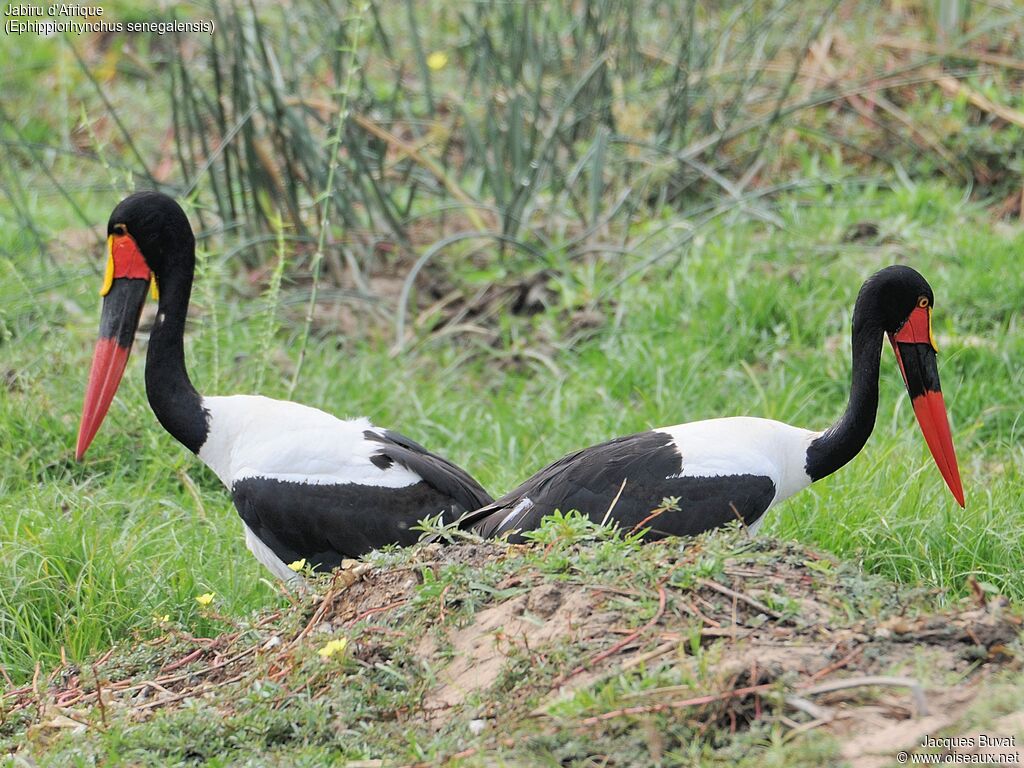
[589,636]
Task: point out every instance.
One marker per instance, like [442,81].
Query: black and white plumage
[311,486]
[306,484]
[720,470]
[738,468]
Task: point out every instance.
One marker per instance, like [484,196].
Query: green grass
[608,150]
[751,321]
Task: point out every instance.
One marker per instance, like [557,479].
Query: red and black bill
[915,352]
[124,290]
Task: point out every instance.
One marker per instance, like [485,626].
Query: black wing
[437,472]
[624,481]
[327,523]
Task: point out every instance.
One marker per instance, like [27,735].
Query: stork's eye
[923,302]
[120,229]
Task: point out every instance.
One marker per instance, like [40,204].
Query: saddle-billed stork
[739,468]
[306,484]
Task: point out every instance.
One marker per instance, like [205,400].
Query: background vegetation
[508,229]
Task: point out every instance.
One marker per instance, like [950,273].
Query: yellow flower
[162,619]
[437,60]
[333,647]
[298,565]
[205,599]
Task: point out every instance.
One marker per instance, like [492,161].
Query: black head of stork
[308,486]
[914,344]
[155,225]
[721,470]
[895,302]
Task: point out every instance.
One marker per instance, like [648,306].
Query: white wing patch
[253,436]
[520,508]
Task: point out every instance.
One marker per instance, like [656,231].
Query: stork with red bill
[740,467]
[308,486]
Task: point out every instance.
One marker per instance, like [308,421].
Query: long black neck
[844,439]
[174,400]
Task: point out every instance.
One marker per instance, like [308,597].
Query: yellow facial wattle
[108,274]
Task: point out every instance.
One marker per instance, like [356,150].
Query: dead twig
[76,695]
[188,659]
[698,614]
[99,698]
[656,513]
[920,46]
[643,658]
[695,702]
[440,600]
[342,581]
[378,609]
[662,598]
[796,730]
[615,501]
[756,604]
[189,693]
[836,665]
[801,704]
[916,690]
[954,87]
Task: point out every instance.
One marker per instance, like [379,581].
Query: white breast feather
[253,436]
